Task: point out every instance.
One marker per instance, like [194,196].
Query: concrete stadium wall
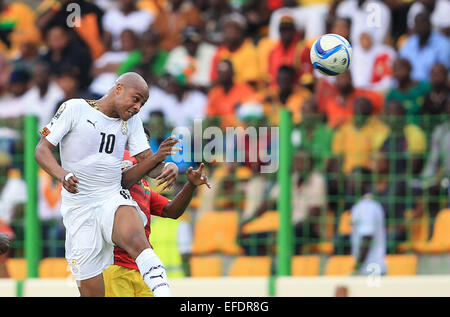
[426,286]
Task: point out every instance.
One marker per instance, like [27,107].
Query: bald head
[132,80]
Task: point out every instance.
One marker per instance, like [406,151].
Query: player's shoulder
[134,122]
[75,103]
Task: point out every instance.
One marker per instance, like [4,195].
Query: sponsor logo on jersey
[93,123]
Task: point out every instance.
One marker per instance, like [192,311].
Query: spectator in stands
[149,59]
[161,131]
[189,104]
[174,17]
[371,64]
[28,40]
[87,26]
[11,105]
[52,227]
[341,26]
[368,238]
[257,14]
[438,10]
[14,18]
[126,16]
[13,197]
[239,50]
[308,206]
[286,94]
[435,101]
[41,99]
[211,16]
[425,48]
[403,137]
[193,59]
[284,52]
[357,140]
[313,135]
[105,68]
[64,51]
[337,100]
[360,12]
[227,95]
[407,90]
[400,161]
[437,167]
[180,103]
[310,17]
[68,79]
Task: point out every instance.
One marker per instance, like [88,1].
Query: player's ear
[118,89]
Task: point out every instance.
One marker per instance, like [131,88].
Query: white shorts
[89,245]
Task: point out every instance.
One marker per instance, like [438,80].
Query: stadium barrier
[357,286]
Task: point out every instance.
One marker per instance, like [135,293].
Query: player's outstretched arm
[44,157]
[150,164]
[178,205]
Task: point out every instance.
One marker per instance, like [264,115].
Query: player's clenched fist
[197,177]
[70,183]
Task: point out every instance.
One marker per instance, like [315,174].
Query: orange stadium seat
[17,268]
[401,264]
[327,246]
[306,265]
[216,231]
[418,230]
[54,268]
[206,266]
[340,265]
[440,241]
[250,266]
[268,221]
[345,223]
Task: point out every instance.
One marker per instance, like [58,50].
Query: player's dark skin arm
[44,157]
[363,251]
[178,205]
[150,164]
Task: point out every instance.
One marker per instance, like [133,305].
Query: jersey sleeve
[137,140]
[157,204]
[61,123]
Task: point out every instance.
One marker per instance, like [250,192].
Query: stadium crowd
[236,63]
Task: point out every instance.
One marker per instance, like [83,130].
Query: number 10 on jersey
[107,143]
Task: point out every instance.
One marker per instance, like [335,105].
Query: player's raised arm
[153,166]
[178,205]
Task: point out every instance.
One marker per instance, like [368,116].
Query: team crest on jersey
[45,131]
[124,127]
[60,110]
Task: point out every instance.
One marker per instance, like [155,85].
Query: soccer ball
[331,54]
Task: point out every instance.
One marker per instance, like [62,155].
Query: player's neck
[106,106]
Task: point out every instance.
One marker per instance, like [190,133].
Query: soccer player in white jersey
[97,211]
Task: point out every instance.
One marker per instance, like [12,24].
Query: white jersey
[368,220]
[92,147]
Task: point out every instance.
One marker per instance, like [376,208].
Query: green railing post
[284,241]
[32,224]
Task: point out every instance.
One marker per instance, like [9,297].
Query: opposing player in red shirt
[122,279]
